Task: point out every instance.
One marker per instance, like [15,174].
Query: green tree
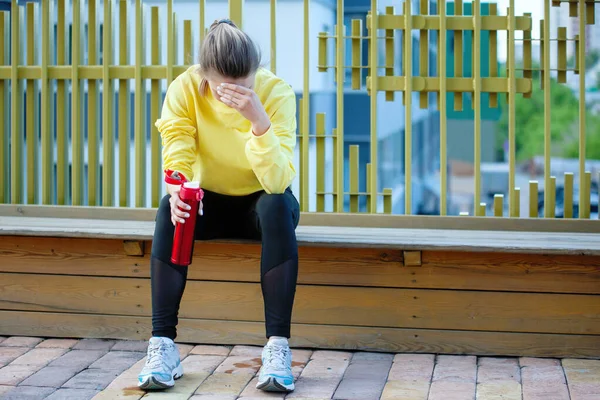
[564,124]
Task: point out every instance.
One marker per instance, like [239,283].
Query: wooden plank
[328,219]
[306,335]
[238,262]
[406,239]
[421,308]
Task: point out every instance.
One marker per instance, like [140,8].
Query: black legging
[271,218]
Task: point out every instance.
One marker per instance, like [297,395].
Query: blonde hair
[228,51]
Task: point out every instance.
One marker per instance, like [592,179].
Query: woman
[231,125]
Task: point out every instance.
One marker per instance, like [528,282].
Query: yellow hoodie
[209,142]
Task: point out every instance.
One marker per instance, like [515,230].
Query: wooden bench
[413,284]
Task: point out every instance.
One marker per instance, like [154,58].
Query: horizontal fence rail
[82,82]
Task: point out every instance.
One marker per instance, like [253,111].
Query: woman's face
[214,80]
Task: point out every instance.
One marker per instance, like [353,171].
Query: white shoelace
[155,355]
[276,357]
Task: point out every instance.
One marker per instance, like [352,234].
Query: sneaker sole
[154,384]
[271,385]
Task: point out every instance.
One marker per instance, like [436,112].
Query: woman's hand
[177,205]
[247,103]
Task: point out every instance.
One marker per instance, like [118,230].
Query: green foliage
[564,124]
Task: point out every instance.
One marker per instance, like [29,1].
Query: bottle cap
[191,185]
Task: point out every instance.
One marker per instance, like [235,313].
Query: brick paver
[58,343]
[583,378]
[365,377]
[72,394]
[409,377]
[131,345]
[454,378]
[543,379]
[28,393]
[322,375]
[107,370]
[94,344]
[20,341]
[498,379]
[8,354]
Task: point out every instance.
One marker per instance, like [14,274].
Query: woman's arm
[270,151]
[177,130]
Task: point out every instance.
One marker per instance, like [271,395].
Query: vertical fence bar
[320,162]
[340,57]
[202,20]
[443,109]
[481,210]
[273,21]
[498,205]
[527,52]
[76,131]
[368,184]
[551,190]
[61,101]
[45,131]
[373,61]
[235,11]
[356,33]
[408,109]
[108,163]
[585,211]
[512,86]
[387,201]
[389,53]
[424,55]
[124,108]
[31,110]
[92,109]
[15,118]
[533,199]
[304,170]
[4,161]
[547,103]
[493,97]
[517,201]
[353,178]
[188,43]
[170,49]
[458,55]
[477,98]
[140,135]
[334,139]
[155,108]
[582,198]
[568,195]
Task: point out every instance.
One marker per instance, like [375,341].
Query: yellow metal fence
[26,72]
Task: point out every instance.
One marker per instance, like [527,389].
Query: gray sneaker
[276,372]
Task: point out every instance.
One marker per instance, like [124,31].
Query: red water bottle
[183,239]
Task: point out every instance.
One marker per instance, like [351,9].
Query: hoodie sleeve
[177,131]
[271,155]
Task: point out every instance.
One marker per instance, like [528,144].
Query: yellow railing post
[93,142]
[62,137]
[140,100]
[477,98]
[45,131]
[443,109]
[583,199]
[236,11]
[16,171]
[372,187]
[305,114]
[76,131]
[339,62]
[108,132]
[154,110]
[124,109]
[4,165]
[547,99]
[408,108]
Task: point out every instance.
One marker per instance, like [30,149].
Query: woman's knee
[275,207]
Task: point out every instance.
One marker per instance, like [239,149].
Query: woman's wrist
[261,126]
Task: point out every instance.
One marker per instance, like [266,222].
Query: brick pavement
[60,369]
